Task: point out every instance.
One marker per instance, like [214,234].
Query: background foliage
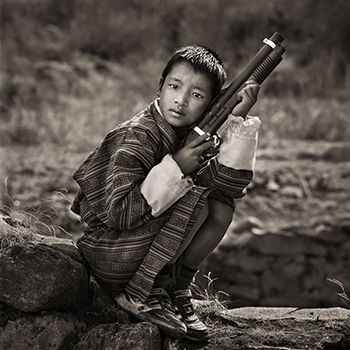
[40,40]
[71,70]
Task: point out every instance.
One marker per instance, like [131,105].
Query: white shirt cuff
[164,185]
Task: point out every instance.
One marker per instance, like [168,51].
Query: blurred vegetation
[57,76]
[71,70]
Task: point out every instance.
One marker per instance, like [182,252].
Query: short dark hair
[204,60]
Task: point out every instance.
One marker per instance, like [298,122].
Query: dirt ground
[281,333]
[278,335]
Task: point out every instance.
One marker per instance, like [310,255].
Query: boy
[152,216]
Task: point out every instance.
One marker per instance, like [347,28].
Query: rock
[65,246]
[292,191]
[247,225]
[100,308]
[286,266]
[273,186]
[240,276]
[114,336]
[8,313]
[280,313]
[248,262]
[280,282]
[285,244]
[3,318]
[245,292]
[41,332]
[337,154]
[38,277]
[232,240]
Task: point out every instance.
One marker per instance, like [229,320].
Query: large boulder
[41,332]
[43,277]
[117,336]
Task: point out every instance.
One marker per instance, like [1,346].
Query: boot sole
[162,322]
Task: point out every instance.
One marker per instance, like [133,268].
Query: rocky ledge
[49,301]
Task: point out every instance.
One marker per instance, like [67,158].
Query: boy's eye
[197,95]
[173,86]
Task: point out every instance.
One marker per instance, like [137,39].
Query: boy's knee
[221,213]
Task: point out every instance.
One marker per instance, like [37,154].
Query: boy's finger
[198,140]
[246,94]
[251,83]
[252,91]
[204,146]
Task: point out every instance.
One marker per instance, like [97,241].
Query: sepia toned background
[71,70]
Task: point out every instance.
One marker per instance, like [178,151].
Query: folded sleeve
[164,185]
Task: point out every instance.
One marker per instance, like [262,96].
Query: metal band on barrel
[269,42]
[198,130]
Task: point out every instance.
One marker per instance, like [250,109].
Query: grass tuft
[343,296]
[15,233]
[22,227]
[208,302]
[208,293]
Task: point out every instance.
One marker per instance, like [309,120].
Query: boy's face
[185,95]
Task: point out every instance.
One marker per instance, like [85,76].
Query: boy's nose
[181,100]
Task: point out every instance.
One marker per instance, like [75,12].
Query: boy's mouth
[177,112]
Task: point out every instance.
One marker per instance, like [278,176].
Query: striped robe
[124,244]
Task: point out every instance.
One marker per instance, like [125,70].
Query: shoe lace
[160,299]
[166,303]
[152,302]
[182,300]
[187,307]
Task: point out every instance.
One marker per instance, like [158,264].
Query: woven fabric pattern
[125,245]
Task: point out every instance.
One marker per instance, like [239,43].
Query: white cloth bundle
[239,142]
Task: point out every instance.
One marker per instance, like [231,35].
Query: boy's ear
[160,86]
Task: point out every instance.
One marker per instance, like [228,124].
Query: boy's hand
[189,157]
[248,96]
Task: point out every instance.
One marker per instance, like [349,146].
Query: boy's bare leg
[201,241]
[209,234]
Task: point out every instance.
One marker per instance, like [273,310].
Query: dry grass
[22,227]
[17,229]
[343,296]
[18,235]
